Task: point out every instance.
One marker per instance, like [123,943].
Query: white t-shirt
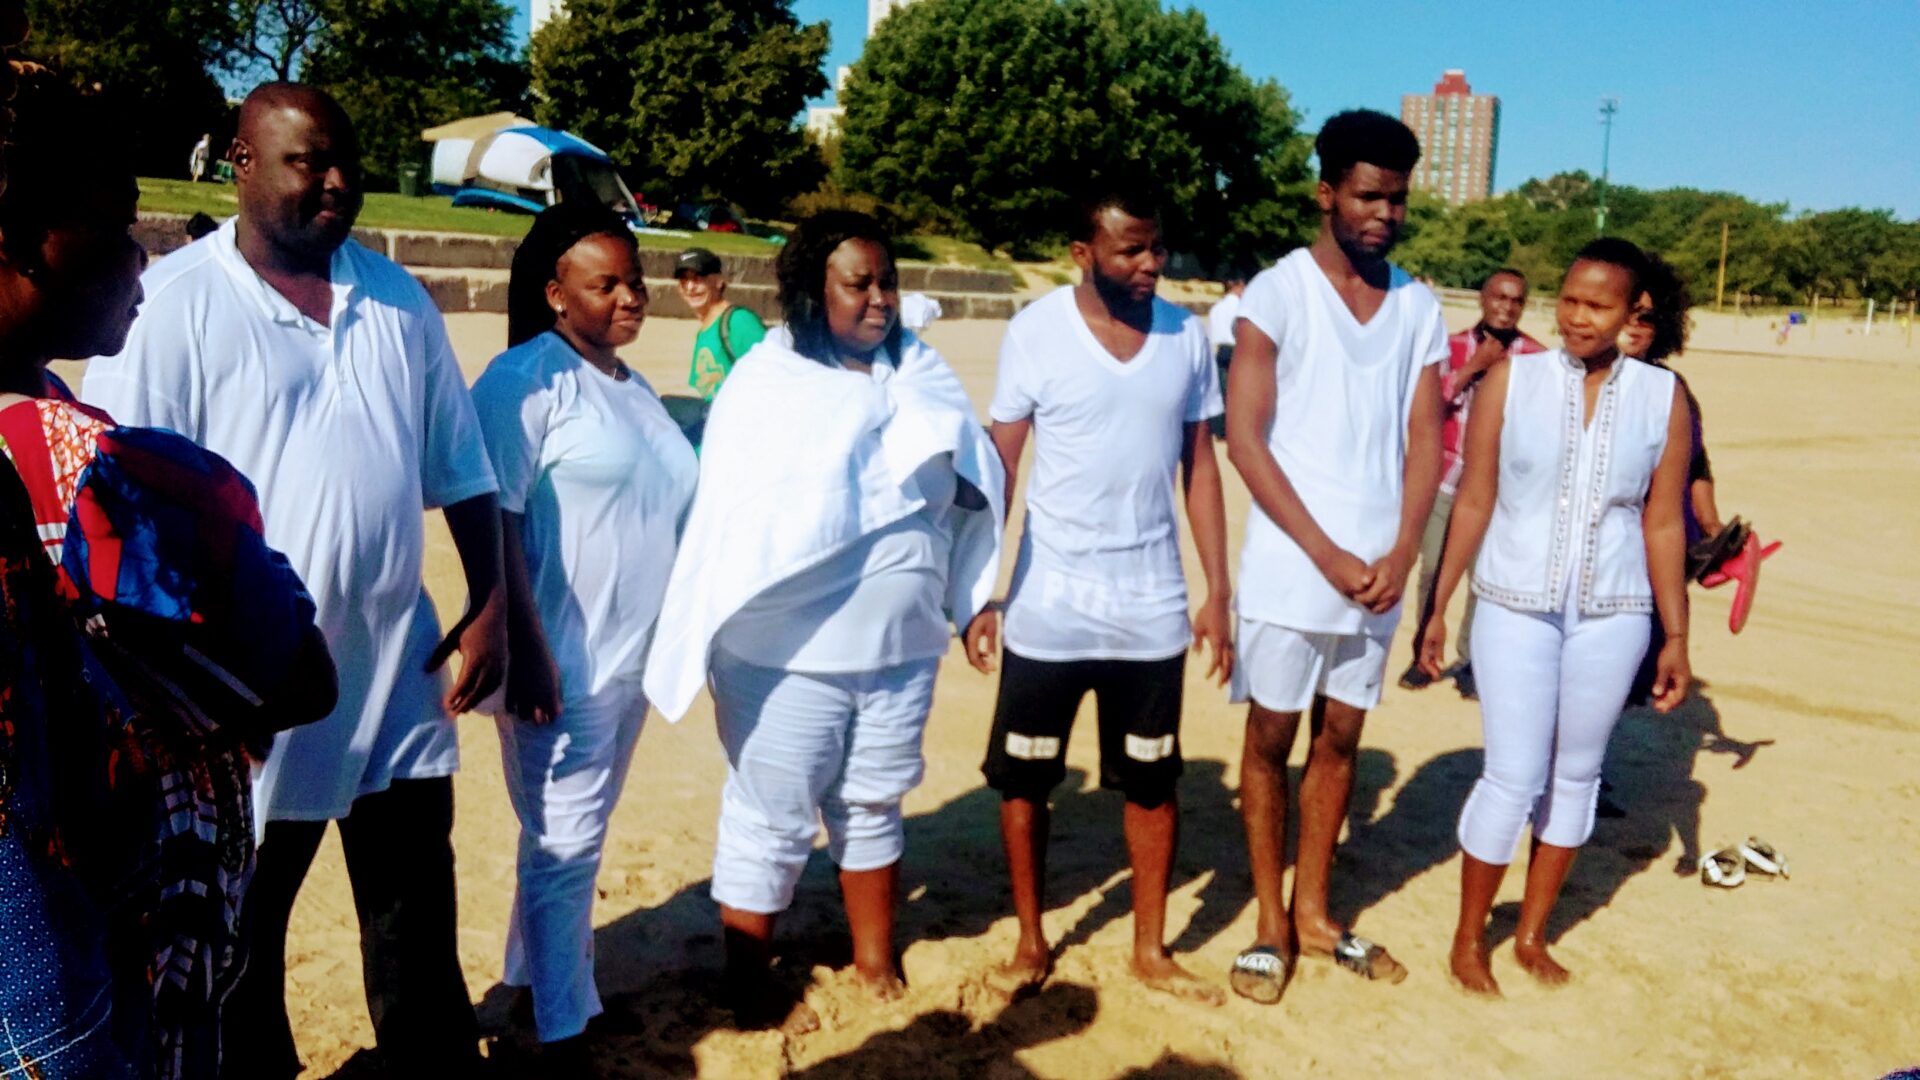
[1099,575]
[604,477]
[1344,392]
[347,431]
[1220,319]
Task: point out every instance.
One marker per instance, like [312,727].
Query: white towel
[799,461]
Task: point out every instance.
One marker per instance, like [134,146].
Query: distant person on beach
[1657,331]
[1220,320]
[595,479]
[323,371]
[197,160]
[726,331]
[1567,595]
[1470,353]
[1340,497]
[1115,386]
[849,515]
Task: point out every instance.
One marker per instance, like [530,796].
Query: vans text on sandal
[1261,974]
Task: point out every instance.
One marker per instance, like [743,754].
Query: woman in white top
[595,479]
[1576,466]
[841,530]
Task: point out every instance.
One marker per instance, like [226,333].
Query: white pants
[1551,689]
[564,779]
[805,750]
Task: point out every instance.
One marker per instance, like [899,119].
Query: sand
[1804,732]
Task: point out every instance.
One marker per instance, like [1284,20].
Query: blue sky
[1812,104]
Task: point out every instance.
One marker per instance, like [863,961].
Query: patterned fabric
[159,555]
[56,986]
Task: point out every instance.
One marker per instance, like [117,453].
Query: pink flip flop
[1744,569]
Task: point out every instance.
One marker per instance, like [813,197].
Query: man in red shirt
[1503,298]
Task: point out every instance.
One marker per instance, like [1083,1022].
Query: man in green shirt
[726,331]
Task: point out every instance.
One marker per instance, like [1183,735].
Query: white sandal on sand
[1726,868]
[1761,856]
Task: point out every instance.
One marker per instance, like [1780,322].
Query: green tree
[400,66]
[1458,248]
[990,116]
[695,98]
[148,63]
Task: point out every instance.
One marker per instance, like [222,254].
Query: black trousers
[399,852]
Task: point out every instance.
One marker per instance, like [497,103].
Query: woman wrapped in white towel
[848,518]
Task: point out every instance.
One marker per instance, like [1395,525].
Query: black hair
[1668,312]
[58,168]
[1133,202]
[537,261]
[1621,253]
[1358,135]
[801,272]
[1506,271]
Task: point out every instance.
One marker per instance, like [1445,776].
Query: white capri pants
[563,780]
[805,750]
[1551,689]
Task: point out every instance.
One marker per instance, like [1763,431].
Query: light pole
[1608,106]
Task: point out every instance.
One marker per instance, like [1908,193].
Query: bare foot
[1317,937]
[882,986]
[1533,956]
[1030,966]
[1164,974]
[1471,970]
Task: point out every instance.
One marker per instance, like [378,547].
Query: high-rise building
[1459,133]
[878,9]
[539,11]
[824,120]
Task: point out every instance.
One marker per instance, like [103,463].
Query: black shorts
[1139,710]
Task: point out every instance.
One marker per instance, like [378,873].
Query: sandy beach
[1804,731]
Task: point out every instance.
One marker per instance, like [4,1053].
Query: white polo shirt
[1099,574]
[604,477]
[347,431]
[1343,393]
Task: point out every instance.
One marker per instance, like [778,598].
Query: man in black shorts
[1116,387]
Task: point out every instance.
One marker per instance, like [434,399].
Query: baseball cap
[696,261]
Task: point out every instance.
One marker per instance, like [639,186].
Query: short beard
[1504,337]
[1117,295]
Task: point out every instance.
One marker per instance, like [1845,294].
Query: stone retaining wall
[430,251]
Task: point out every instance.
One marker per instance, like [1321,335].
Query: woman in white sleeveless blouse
[1576,466]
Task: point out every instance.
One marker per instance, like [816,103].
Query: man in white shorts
[1116,387]
[1333,420]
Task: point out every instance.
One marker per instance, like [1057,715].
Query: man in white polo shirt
[323,372]
[1333,420]
[1116,387]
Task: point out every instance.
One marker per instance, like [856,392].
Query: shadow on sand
[1651,765]
[659,964]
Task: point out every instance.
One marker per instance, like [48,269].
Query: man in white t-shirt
[1116,386]
[1220,319]
[1333,421]
[324,373]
